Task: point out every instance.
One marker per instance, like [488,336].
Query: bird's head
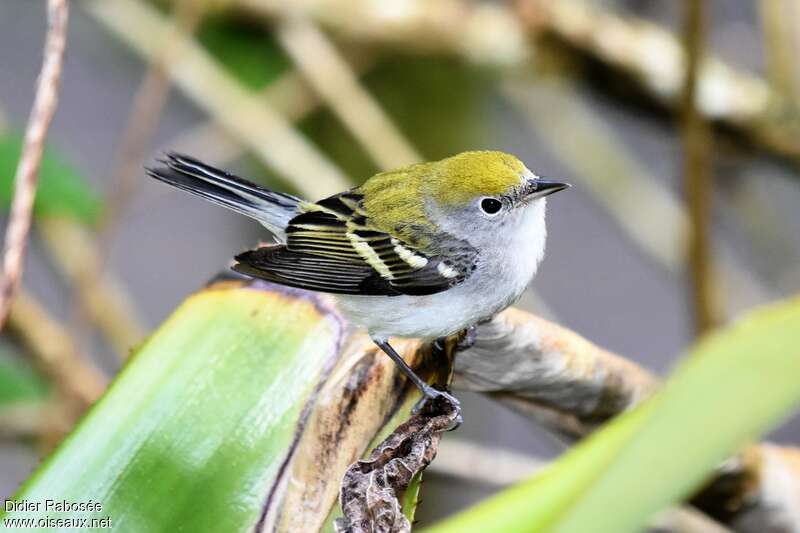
[495,182]
[480,196]
[487,197]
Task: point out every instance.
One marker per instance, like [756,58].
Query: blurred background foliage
[594,101]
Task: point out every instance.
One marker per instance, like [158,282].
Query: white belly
[426,317]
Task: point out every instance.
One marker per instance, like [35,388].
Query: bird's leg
[430,395]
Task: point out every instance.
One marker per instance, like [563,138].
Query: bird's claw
[435,402]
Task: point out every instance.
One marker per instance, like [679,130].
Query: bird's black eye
[491,206]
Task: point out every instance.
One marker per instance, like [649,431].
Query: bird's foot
[435,402]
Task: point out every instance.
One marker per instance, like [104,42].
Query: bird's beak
[541,188]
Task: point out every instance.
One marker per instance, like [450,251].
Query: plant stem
[697,175]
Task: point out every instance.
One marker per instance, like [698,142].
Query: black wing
[331,247]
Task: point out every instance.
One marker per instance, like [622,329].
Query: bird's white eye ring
[491,206]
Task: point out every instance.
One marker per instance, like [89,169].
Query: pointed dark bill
[544,188]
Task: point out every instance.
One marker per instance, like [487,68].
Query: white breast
[500,279]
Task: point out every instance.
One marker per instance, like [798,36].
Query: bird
[424,251]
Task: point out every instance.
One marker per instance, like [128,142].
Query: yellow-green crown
[397,198]
[451,181]
[458,179]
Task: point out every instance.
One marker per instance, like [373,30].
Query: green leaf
[193,433]
[18,381]
[734,386]
[418,94]
[61,191]
[248,51]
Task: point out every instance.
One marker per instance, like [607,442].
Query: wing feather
[331,247]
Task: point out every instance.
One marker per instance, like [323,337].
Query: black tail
[273,209]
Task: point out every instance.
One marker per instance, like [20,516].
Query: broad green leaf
[193,433]
[18,381]
[734,386]
[61,190]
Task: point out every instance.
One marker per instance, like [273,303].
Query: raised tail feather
[273,209]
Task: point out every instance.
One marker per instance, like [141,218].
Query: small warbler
[423,251]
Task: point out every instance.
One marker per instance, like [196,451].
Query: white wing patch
[368,254]
[446,271]
[413,260]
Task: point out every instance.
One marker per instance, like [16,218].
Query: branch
[653,59]
[549,371]
[143,119]
[99,299]
[103,298]
[480,32]
[44,106]
[570,385]
[55,353]
[697,178]
[646,52]
[518,357]
[643,207]
[269,135]
[337,83]
[775,495]
[290,95]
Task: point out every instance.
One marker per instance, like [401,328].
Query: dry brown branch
[360,397]
[54,352]
[654,59]
[264,131]
[773,504]
[108,305]
[646,52]
[290,95]
[99,299]
[364,396]
[27,175]
[697,179]
[333,79]
[45,422]
[649,213]
[143,119]
[781,42]
[23,421]
[650,54]
[534,362]
[571,386]
[105,300]
[481,32]
[519,356]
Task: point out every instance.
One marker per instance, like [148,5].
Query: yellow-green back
[396,199]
